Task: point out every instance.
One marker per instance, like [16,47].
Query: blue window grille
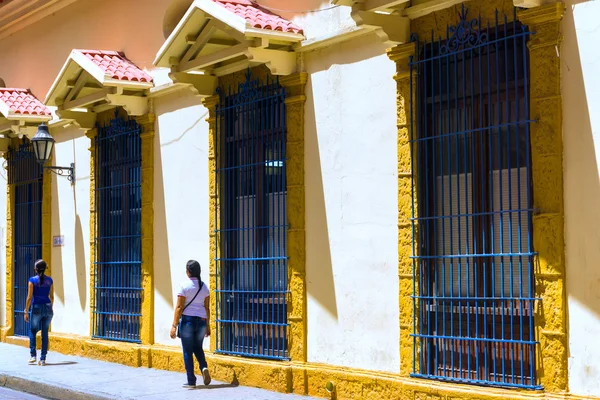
[118,264]
[25,174]
[252,275]
[472,208]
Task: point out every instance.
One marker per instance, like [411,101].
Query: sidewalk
[77,378]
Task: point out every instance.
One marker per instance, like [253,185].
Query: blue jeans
[41,316]
[192,334]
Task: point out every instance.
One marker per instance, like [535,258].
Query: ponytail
[194,269]
[40,268]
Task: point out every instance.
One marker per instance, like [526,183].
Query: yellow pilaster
[147,324]
[401,55]
[8,329]
[548,223]
[296,210]
[91,134]
[213,211]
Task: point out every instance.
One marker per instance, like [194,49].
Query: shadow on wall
[78,240]
[80,267]
[322,60]
[319,268]
[581,177]
[163,282]
[56,264]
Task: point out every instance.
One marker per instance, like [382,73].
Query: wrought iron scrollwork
[251,89]
[465,35]
[69,172]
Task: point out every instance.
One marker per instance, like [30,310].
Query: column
[92,134]
[213,213]
[147,136]
[402,55]
[548,221]
[296,243]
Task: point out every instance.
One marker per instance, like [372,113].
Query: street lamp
[43,142]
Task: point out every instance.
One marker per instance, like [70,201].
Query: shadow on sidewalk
[48,364]
[219,386]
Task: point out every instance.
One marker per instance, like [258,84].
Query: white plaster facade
[581,136]
[352,207]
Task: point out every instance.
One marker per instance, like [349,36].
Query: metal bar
[118,286]
[26,176]
[251,126]
[470,206]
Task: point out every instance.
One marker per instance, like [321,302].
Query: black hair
[40,268]
[193,268]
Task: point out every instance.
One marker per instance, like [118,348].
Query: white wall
[352,207]
[581,136]
[70,264]
[181,201]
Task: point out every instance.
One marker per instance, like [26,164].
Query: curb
[46,390]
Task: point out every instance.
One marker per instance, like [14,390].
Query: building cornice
[16,15]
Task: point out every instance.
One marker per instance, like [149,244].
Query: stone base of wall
[286,377]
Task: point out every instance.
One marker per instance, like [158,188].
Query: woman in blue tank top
[41,291]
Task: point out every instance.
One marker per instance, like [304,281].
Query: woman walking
[41,291]
[191,322]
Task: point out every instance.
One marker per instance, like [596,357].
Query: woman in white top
[193,305]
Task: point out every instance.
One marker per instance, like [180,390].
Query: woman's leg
[44,326]
[33,330]
[187,342]
[198,341]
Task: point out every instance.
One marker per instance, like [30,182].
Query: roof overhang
[384,17]
[83,87]
[211,41]
[17,15]
[21,126]
[17,122]
[410,9]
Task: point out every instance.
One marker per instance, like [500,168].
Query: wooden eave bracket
[106,98]
[201,85]
[373,5]
[279,62]
[255,50]
[415,11]
[85,120]
[21,127]
[530,3]
[392,29]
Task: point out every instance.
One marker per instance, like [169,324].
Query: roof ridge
[15,89]
[268,20]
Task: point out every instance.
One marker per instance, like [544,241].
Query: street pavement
[7,394]
[77,378]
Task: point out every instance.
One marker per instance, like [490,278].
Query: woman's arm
[207,307]
[177,315]
[52,295]
[28,303]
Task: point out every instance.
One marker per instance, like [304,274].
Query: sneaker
[42,363]
[206,376]
[189,385]
[32,361]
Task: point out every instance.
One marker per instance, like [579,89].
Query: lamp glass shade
[42,143]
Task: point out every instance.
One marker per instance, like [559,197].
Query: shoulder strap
[194,298]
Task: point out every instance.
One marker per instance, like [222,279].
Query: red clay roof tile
[21,101]
[116,65]
[258,16]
